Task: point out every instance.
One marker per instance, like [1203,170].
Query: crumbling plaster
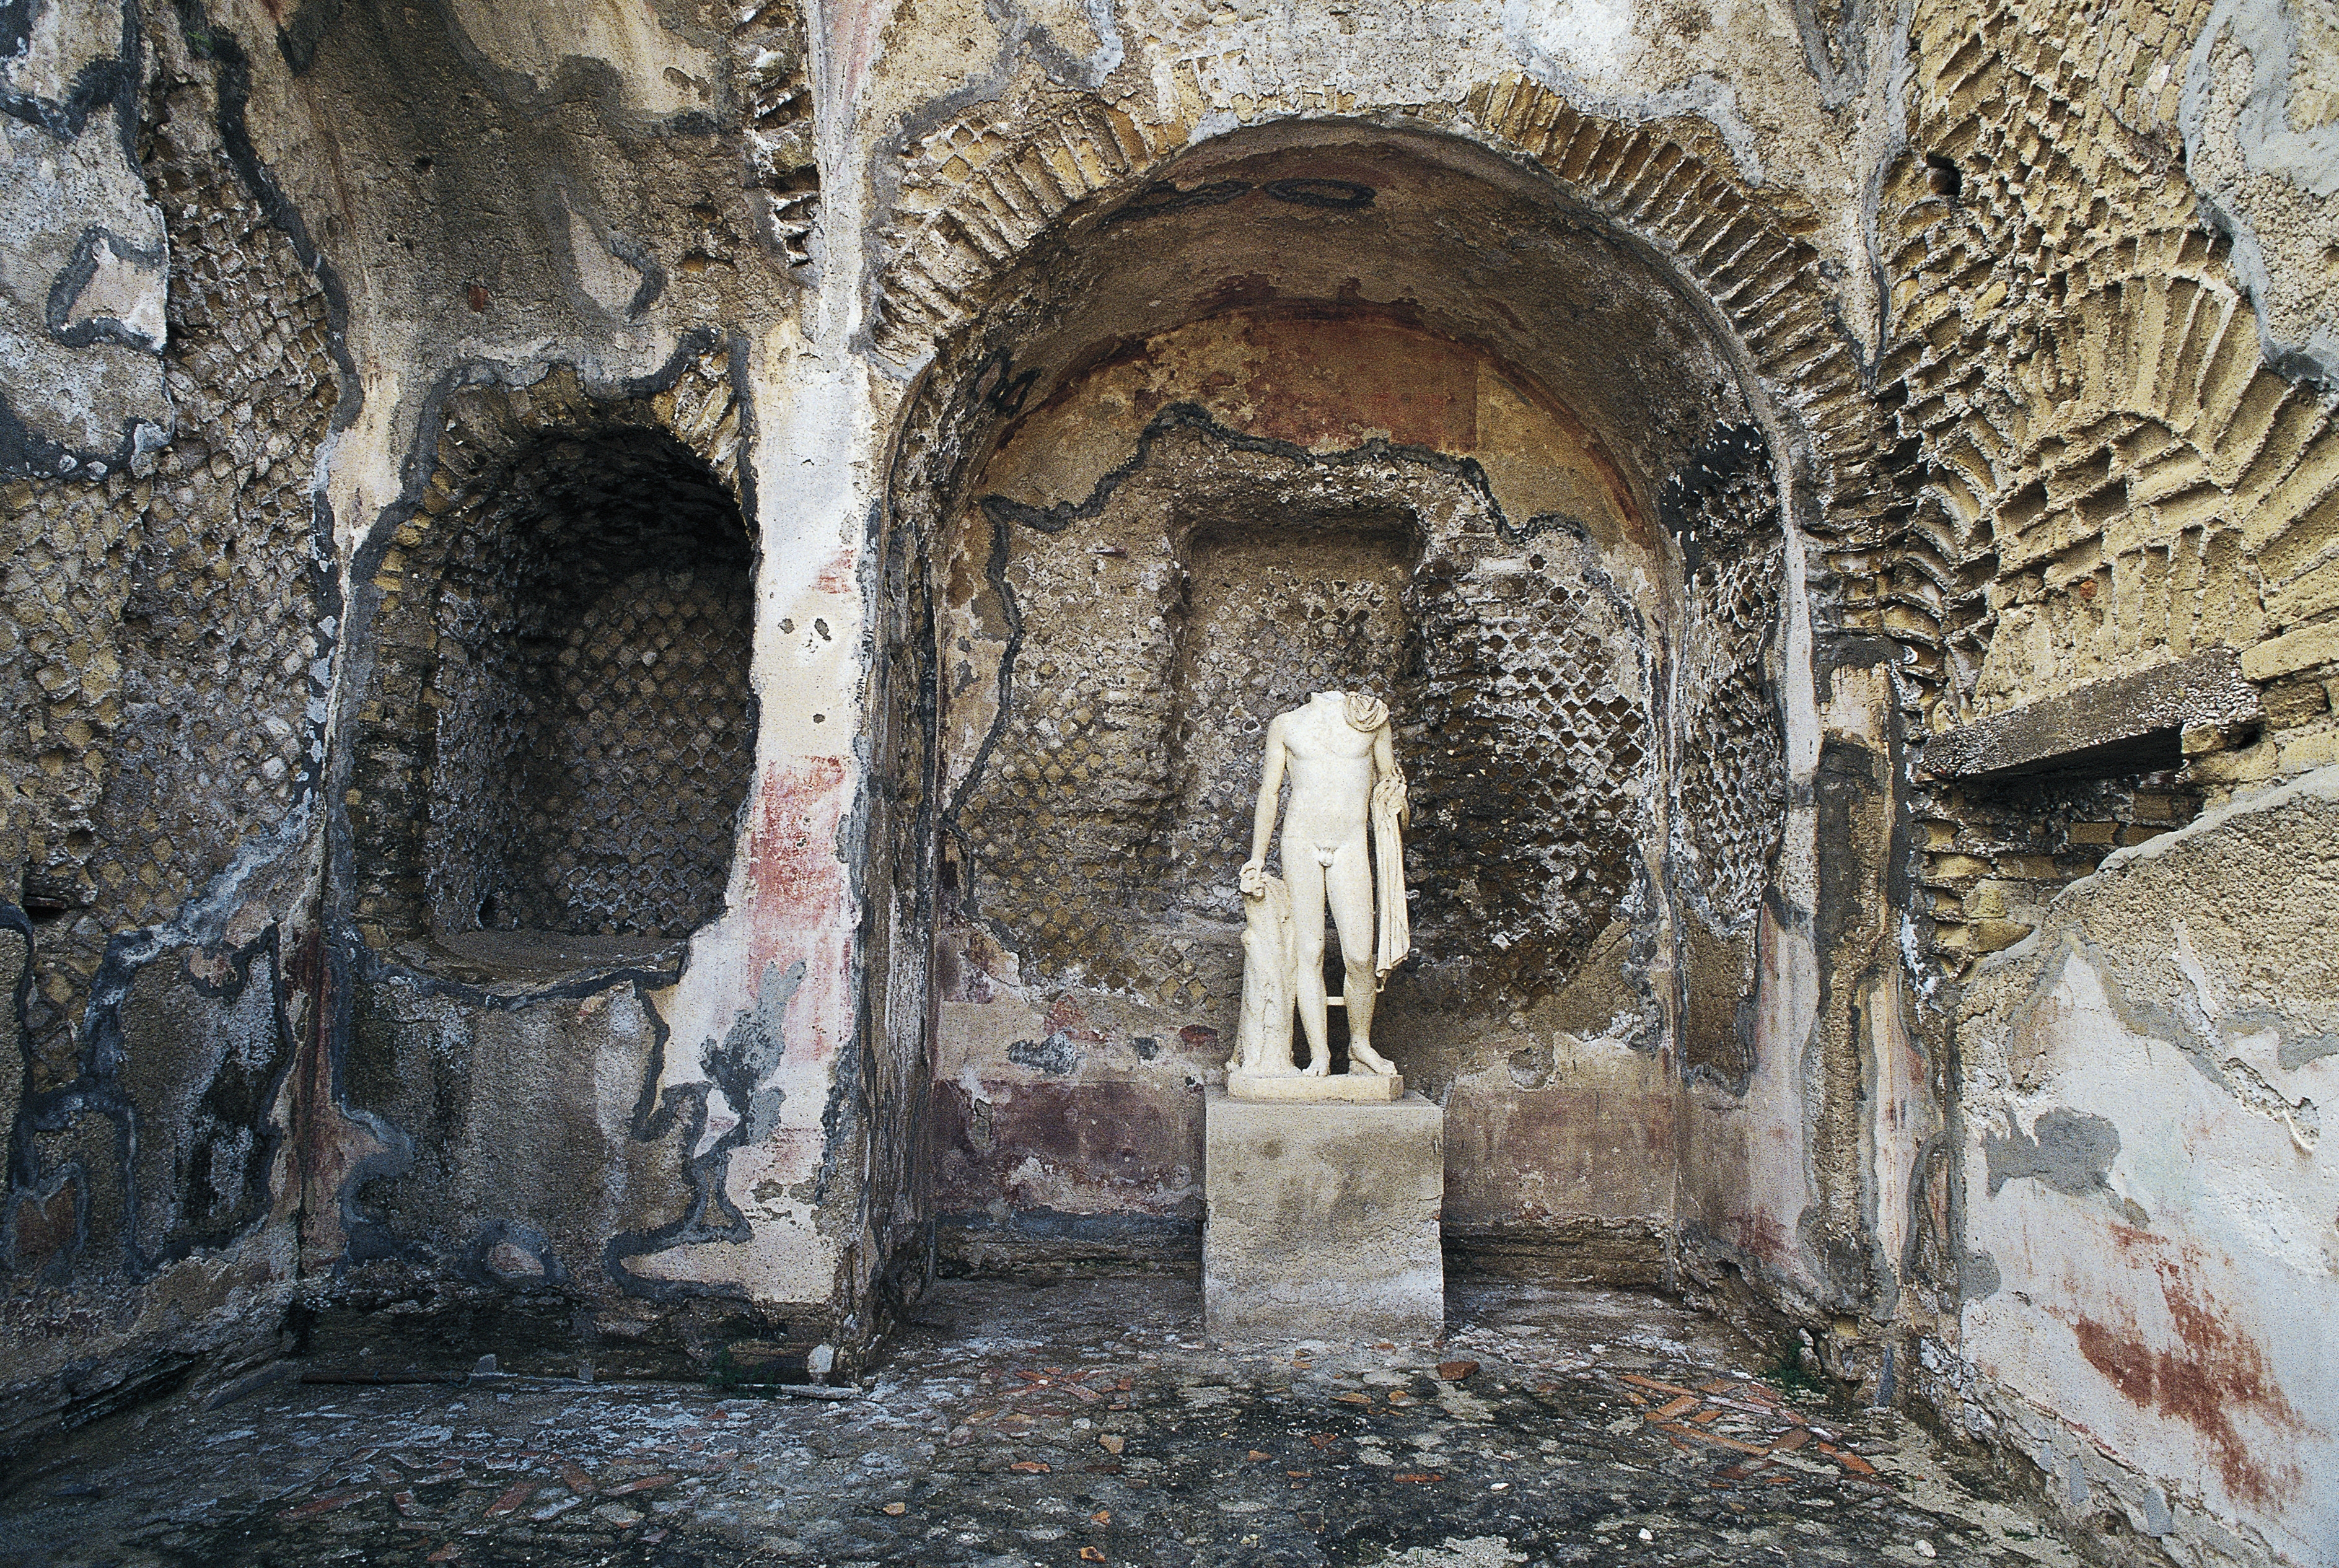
[345,176]
[82,281]
[1563,1120]
[2149,1204]
[2022,438]
[1197,69]
[1794,1201]
[2261,120]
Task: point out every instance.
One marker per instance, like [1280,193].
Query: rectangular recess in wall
[2129,723]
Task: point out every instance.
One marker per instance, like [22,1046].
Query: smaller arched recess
[1327,403]
[550,739]
[559,735]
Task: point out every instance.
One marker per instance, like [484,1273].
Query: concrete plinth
[1322,1220]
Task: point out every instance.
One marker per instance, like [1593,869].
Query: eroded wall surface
[2148,1201]
[557,283]
[1117,653]
[2096,243]
[632,631]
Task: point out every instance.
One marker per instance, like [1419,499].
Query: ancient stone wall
[2119,479]
[688,591]
[2143,1177]
[2122,536]
[195,1057]
[169,620]
[1728,731]
[554,749]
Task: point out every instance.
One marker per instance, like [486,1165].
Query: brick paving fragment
[1082,1422]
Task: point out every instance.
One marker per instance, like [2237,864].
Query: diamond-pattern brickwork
[640,743]
[1063,818]
[166,639]
[559,732]
[1114,802]
[1534,734]
[1729,790]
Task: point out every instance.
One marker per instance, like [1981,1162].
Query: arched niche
[560,734]
[1292,347]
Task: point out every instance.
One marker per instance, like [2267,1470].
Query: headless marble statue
[1342,852]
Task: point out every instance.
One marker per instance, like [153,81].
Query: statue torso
[1331,765]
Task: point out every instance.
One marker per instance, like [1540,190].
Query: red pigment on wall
[2214,1373]
[1116,1148]
[797,895]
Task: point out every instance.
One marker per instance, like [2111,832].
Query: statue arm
[1388,779]
[1270,787]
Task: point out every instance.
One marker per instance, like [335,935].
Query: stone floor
[1059,1424]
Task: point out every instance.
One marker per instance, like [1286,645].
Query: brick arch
[987,190]
[2130,388]
[1003,271]
[2054,290]
[991,191]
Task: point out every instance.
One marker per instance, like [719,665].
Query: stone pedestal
[1353,1087]
[1322,1220]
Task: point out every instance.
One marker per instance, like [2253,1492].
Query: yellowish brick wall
[2112,477]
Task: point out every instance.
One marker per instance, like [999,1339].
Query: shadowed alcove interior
[1292,419]
[564,702]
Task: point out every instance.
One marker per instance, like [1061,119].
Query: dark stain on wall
[170,764]
[214,1047]
[1125,1154]
[2072,1151]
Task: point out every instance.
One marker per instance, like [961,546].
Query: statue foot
[1362,1056]
[1316,1067]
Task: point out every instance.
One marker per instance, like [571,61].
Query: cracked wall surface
[171,627]
[2104,278]
[2148,1216]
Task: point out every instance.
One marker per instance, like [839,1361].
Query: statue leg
[1304,877]
[1348,886]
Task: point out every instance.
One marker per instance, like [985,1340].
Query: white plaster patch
[65,37]
[126,290]
[2262,150]
[52,195]
[971,1081]
[1084,29]
[1594,54]
[1458,1552]
[721,1117]
[617,1073]
[1595,37]
[608,280]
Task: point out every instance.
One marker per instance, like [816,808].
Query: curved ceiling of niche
[1347,215]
